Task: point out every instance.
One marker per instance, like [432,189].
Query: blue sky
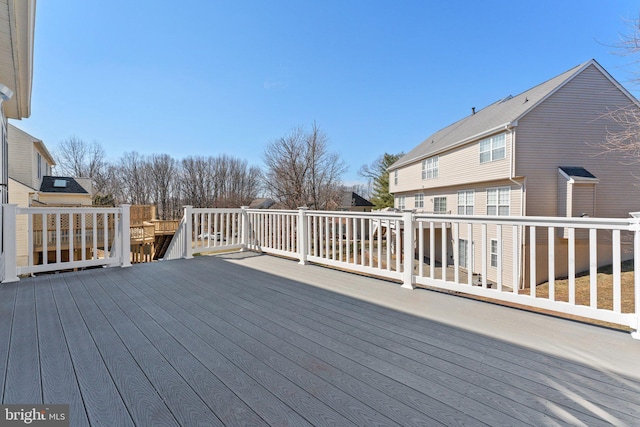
[207,77]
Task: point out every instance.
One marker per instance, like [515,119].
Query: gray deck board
[7,302]
[513,385]
[59,383]
[308,375]
[215,341]
[141,398]
[23,367]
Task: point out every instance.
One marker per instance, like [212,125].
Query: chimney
[473,110]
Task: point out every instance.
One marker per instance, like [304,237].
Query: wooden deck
[257,340]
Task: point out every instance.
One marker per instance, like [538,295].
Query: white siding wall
[565,131]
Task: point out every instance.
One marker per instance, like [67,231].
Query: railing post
[9,215]
[303,235]
[188,229]
[407,250]
[245,232]
[635,228]
[125,245]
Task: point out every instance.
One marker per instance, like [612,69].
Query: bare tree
[302,171]
[78,158]
[623,121]
[134,173]
[162,172]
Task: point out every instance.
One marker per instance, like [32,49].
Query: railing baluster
[532,261]
[432,250]
[443,242]
[83,236]
[456,251]
[572,265]
[470,260]
[593,268]
[420,249]
[58,239]
[363,242]
[515,259]
[483,256]
[617,289]
[551,236]
[499,257]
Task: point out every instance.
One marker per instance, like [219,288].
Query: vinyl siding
[21,156]
[19,194]
[565,130]
[457,166]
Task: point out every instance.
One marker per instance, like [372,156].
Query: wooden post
[9,214]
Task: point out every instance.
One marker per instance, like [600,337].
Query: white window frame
[395,177]
[499,201]
[419,200]
[466,199]
[402,203]
[430,167]
[493,148]
[437,205]
[493,253]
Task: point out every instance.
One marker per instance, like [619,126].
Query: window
[492,148]
[465,202]
[430,168]
[463,248]
[493,250]
[401,204]
[419,201]
[39,161]
[498,201]
[395,177]
[440,205]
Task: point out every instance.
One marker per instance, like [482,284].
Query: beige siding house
[31,183]
[535,154]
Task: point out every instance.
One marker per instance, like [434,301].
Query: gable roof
[70,185]
[500,115]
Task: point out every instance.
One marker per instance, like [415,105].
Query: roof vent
[508,97]
[60,183]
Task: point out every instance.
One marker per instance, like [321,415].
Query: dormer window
[493,148]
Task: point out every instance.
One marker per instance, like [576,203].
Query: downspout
[523,200]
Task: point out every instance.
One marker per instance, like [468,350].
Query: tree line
[300,170]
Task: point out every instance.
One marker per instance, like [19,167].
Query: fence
[534,261]
[53,239]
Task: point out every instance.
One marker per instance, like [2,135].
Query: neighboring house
[262,203]
[31,183]
[534,154]
[354,202]
[17,19]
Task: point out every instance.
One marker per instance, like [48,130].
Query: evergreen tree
[378,173]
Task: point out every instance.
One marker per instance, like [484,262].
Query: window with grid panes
[493,148]
[440,205]
[465,202]
[419,200]
[498,201]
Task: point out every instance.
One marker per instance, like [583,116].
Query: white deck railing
[54,239]
[503,258]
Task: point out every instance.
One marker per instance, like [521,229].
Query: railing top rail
[274,211]
[216,210]
[576,222]
[74,210]
[370,215]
